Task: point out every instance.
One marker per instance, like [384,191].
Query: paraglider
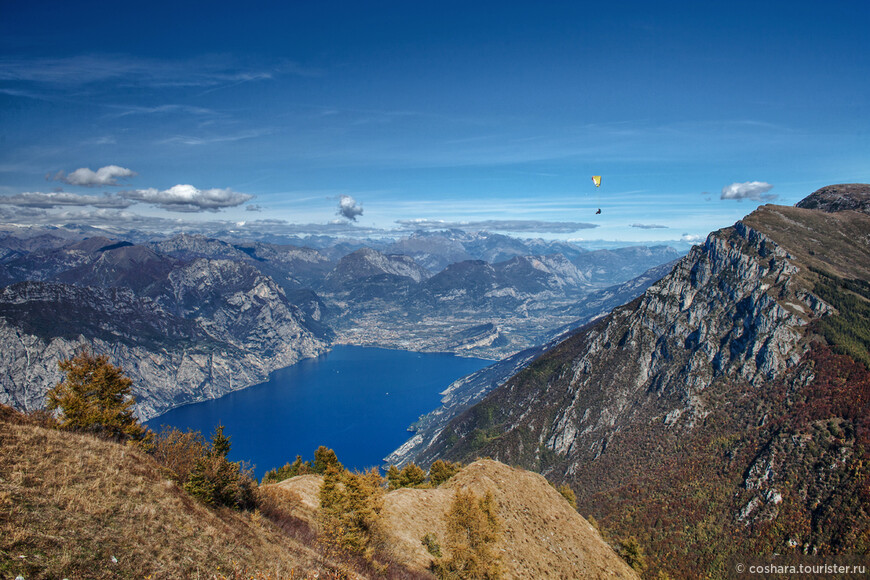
[596,179]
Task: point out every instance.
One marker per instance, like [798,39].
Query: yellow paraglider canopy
[596,179]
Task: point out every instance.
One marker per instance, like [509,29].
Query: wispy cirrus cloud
[497,225]
[648,226]
[57,199]
[187,198]
[130,110]
[212,139]
[94,68]
[104,176]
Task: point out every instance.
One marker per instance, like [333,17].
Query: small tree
[215,480]
[440,471]
[350,507]
[568,494]
[324,457]
[632,552]
[473,529]
[95,398]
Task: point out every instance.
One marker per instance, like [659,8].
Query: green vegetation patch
[848,331]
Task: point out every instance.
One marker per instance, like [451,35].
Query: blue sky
[490,114]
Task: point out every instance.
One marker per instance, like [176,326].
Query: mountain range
[191,318]
[725,412]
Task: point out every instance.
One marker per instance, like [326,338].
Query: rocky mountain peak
[842,197]
[715,388]
[367,262]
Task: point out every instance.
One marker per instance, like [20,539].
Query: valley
[710,408]
[192,317]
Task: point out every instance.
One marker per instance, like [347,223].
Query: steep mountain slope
[542,535]
[469,390]
[699,416]
[256,303]
[208,328]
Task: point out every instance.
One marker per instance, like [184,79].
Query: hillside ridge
[677,394]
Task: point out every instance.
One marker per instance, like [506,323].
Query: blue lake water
[358,401]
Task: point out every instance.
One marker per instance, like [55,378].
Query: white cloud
[498,225]
[754,190]
[61,198]
[692,238]
[187,198]
[348,208]
[648,226]
[103,176]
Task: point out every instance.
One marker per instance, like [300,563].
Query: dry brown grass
[541,536]
[78,507]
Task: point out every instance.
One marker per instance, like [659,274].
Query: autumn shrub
[351,503]
[473,529]
[440,471]
[568,494]
[412,475]
[217,481]
[179,451]
[298,467]
[94,397]
[430,541]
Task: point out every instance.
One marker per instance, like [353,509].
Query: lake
[358,401]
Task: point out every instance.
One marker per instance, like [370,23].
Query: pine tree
[393,477]
[324,457]
[473,529]
[440,471]
[215,480]
[412,475]
[95,398]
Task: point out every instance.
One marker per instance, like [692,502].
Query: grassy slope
[542,536]
[70,503]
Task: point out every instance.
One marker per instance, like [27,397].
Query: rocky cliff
[206,329]
[266,305]
[691,393]
[471,389]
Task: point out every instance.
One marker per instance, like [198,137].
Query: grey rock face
[469,390]
[212,327]
[732,309]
